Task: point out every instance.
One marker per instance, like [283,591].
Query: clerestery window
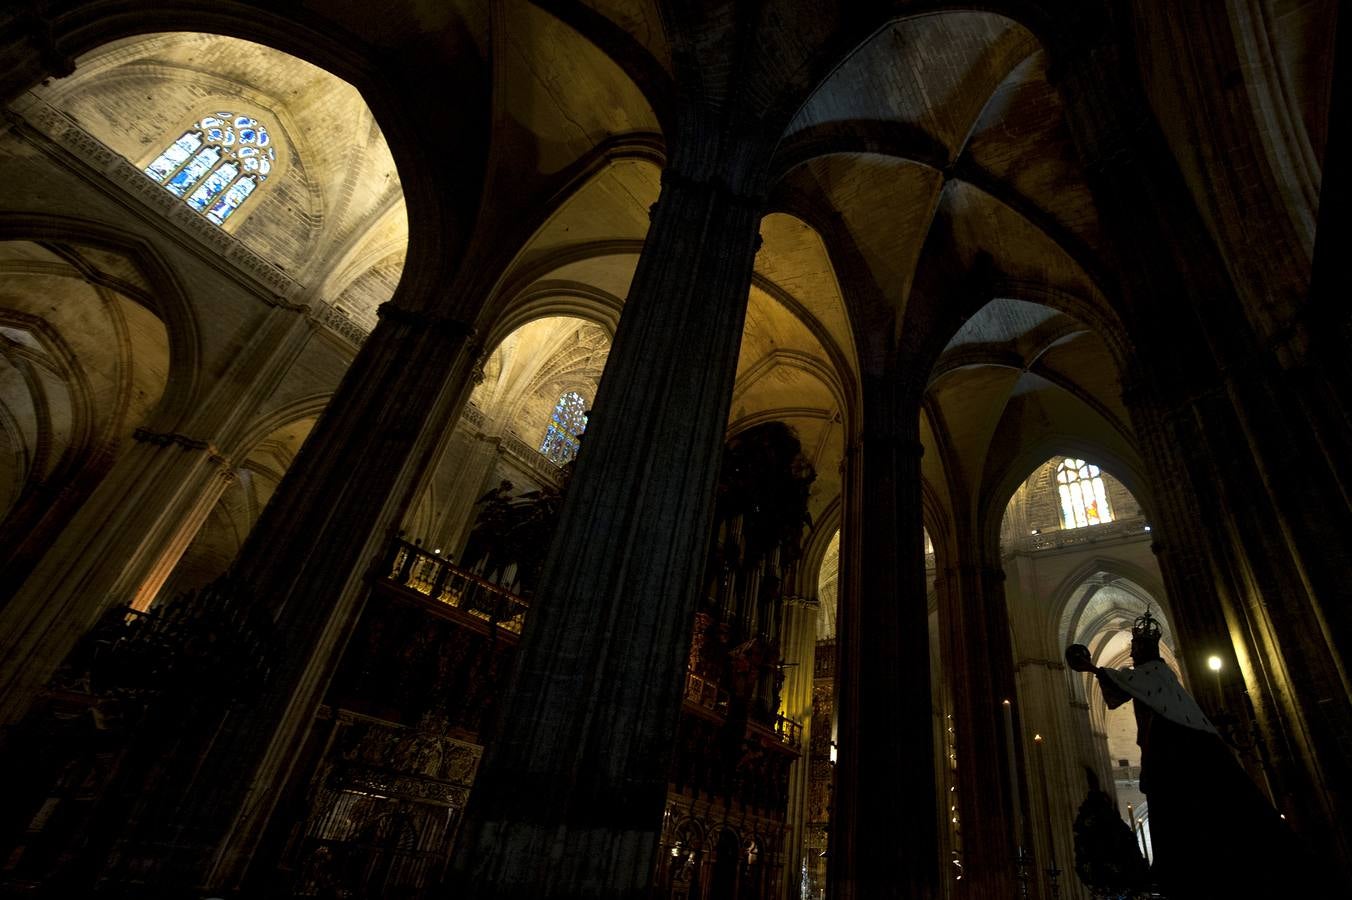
[565,427]
[1084,499]
[217,164]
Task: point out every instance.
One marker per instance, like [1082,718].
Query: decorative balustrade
[442,581]
[789,732]
[532,459]
[1077,537]
[824,660]
[473,415]
[705,693]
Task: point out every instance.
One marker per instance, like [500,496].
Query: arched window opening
[1084,500]
[565,428]
[217,164]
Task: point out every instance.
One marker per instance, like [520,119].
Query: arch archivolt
[59,360]
[164,294]
[311,405]
[1066,612]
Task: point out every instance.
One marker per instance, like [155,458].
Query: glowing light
[1213,663]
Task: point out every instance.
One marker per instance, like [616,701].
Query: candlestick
[1053,873]
[1214,663]
[1012,762]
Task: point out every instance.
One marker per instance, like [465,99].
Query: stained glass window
[216,164]
[565,427]
[1084,500]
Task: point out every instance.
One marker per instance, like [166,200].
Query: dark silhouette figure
[1213,833]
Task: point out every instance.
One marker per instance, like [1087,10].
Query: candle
[1013,765]
[1046,803]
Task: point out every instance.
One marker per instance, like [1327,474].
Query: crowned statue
[1213,832]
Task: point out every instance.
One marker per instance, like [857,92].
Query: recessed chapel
[622,449]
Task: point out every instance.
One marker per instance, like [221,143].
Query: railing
[789,732]
[531,458]
[824,661]
[1088,534]
[443,582]
[473,415]
[705,693]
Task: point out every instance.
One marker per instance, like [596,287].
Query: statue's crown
[1147,627]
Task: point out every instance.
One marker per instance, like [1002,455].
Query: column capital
[415,318]
[906,444]
[981,570]
[166,438]
[733,196]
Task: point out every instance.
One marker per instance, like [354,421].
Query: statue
[1213,833]
[1107,858]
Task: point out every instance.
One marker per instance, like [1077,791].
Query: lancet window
[1084,499]
[217,164]
[565,428]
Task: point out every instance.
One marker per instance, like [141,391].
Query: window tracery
[1084,498]
[561,439]
[217,164]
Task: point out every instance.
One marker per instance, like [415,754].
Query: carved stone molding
[455,328]
[166,438]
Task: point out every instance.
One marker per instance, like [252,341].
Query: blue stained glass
[231,199]
[567,424]
[172,158]
[190,174]
[213,185]
[202,166]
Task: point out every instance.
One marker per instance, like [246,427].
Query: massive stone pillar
[570,797]
[1220,430]
[884,840]
[139,517]
[979,663]
[256,645]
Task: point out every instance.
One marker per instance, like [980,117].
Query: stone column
[570,797]
[473,468]
[1053,792]
[800,644]
[884,841]
[1323,370]
[133,524]
[979,662]
[285,607]
[304,564]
